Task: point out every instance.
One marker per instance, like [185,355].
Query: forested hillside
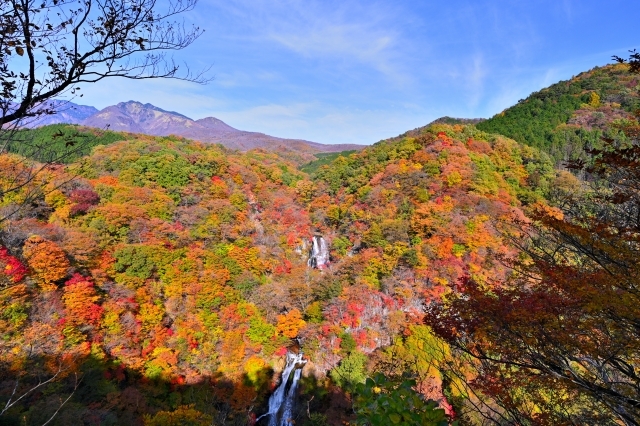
[136,275]
[175,273]
[59,143]
[568,116]
[448,274]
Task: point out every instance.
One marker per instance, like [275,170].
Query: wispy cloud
[567,8]
[363,70]
[275,118]
[243,78]
[347,41]
[476,75]
[349,33]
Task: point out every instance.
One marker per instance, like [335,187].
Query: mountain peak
[216,124]
[136,117]
[138,107]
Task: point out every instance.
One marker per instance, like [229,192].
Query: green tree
[381,402]
[350,371]
[316,419]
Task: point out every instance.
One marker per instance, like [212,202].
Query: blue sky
[360,71]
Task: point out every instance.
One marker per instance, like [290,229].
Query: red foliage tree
[567,324]
[12,271]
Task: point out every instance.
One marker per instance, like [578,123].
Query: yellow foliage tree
[305,189]
[183,415]
[254,367]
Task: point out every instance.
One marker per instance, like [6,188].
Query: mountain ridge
[136,117]
[67,112]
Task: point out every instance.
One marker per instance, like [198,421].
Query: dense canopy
[160,281]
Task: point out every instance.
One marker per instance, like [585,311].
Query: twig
[65,401]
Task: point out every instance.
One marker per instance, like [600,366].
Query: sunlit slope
[177,271]
[427,206]
[570,115]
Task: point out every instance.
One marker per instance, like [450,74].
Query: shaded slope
[67,112]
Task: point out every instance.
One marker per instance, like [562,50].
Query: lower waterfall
[282,401]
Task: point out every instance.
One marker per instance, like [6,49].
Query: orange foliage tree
[47,260]
[290,323]
[80,299]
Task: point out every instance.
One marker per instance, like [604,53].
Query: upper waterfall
[319,254]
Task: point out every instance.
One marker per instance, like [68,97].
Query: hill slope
[59,143]
[171,275]
[173,270]
[567,116]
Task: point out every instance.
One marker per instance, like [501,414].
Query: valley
[162,270]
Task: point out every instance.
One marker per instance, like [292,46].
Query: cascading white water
[287,409]
[282,401]
[319,254]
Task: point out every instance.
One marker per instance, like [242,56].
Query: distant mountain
[568,116]
[136,117]
[66,112]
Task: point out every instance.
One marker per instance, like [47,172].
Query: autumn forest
[474,274]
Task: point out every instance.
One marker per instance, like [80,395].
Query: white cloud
[475,76]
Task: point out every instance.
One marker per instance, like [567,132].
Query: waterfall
[287,410]
[319,254]
[282,401]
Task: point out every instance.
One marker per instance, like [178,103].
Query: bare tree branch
[68,43]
